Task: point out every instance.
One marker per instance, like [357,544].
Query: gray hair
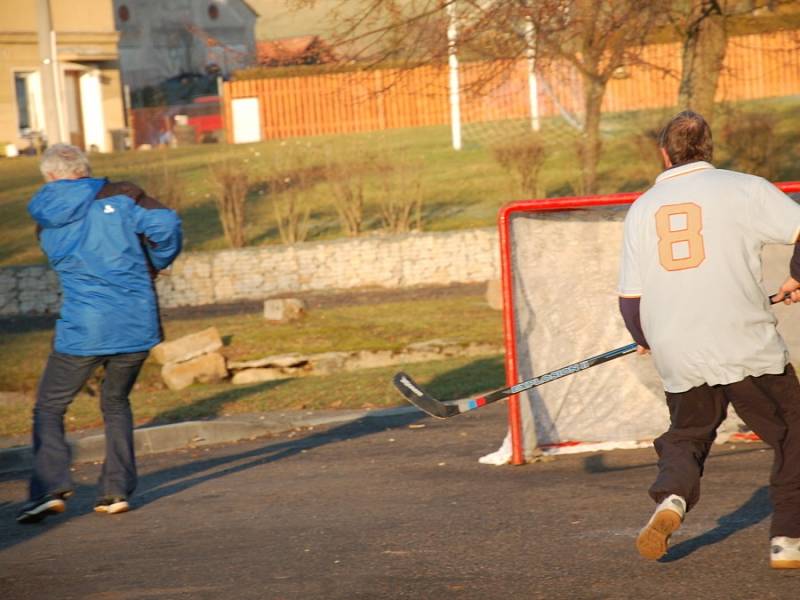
[63,161]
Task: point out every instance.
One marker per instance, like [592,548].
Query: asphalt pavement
[391,506]
[89,444]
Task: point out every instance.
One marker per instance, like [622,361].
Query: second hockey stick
[436,408]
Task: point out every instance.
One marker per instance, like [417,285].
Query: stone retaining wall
[29,290]
[199,278]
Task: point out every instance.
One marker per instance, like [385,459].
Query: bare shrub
[291,181]
[163,183]
[523,156]
[400,200]
[232,183]
[347,189]
[291,215]
[749,143]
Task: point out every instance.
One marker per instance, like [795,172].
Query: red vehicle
[205,116]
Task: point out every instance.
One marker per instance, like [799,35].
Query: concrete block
[279,360]
[187,347]
[284,310]
[257,376]
[204,369]
[371,360]
[328,362]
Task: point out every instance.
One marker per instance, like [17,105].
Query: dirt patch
[329,299]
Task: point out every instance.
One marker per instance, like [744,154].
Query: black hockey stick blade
[421,399]
[436,408]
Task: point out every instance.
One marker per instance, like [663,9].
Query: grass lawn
[460,189]
[371,388]
[385,326]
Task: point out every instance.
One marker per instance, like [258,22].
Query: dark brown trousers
[769,405]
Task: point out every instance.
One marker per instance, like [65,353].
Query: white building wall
[94,130]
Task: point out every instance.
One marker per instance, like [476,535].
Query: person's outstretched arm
[164,233]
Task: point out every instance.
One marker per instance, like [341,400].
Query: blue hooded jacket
[95,245]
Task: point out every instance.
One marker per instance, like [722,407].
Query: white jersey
[692,252]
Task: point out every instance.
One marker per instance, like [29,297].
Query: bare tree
[404,33]
[596,37]
[704,27]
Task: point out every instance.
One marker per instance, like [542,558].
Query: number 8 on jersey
[680,245]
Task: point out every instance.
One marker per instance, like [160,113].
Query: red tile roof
[304,49]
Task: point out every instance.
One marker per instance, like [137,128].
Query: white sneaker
[784,553]
[653,539]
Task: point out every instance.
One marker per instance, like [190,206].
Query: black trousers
[63,378]
[769,405]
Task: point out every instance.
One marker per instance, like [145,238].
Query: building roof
[250,8]
[293,50]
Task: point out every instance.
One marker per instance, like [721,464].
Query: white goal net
[563,269]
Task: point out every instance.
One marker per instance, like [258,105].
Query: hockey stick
[435,408]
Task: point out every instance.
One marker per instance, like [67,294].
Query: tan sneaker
[784,553]
[653,539]
[112,505]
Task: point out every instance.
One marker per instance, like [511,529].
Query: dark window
[213,12]
[23,110]
[123,13]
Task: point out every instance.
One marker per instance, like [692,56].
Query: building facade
[86,106]
[160,40]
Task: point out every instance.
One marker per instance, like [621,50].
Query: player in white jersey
[691,293]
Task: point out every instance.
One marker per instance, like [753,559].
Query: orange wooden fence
[756,66]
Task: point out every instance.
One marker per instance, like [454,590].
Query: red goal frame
[509,330]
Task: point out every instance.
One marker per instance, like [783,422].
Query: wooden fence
[756,66]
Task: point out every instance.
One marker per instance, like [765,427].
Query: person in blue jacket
[106,241]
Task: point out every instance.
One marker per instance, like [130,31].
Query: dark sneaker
[112,505]
[36,510]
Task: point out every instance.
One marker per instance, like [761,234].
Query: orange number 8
[680,245]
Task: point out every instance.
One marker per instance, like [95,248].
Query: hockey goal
[559,262]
